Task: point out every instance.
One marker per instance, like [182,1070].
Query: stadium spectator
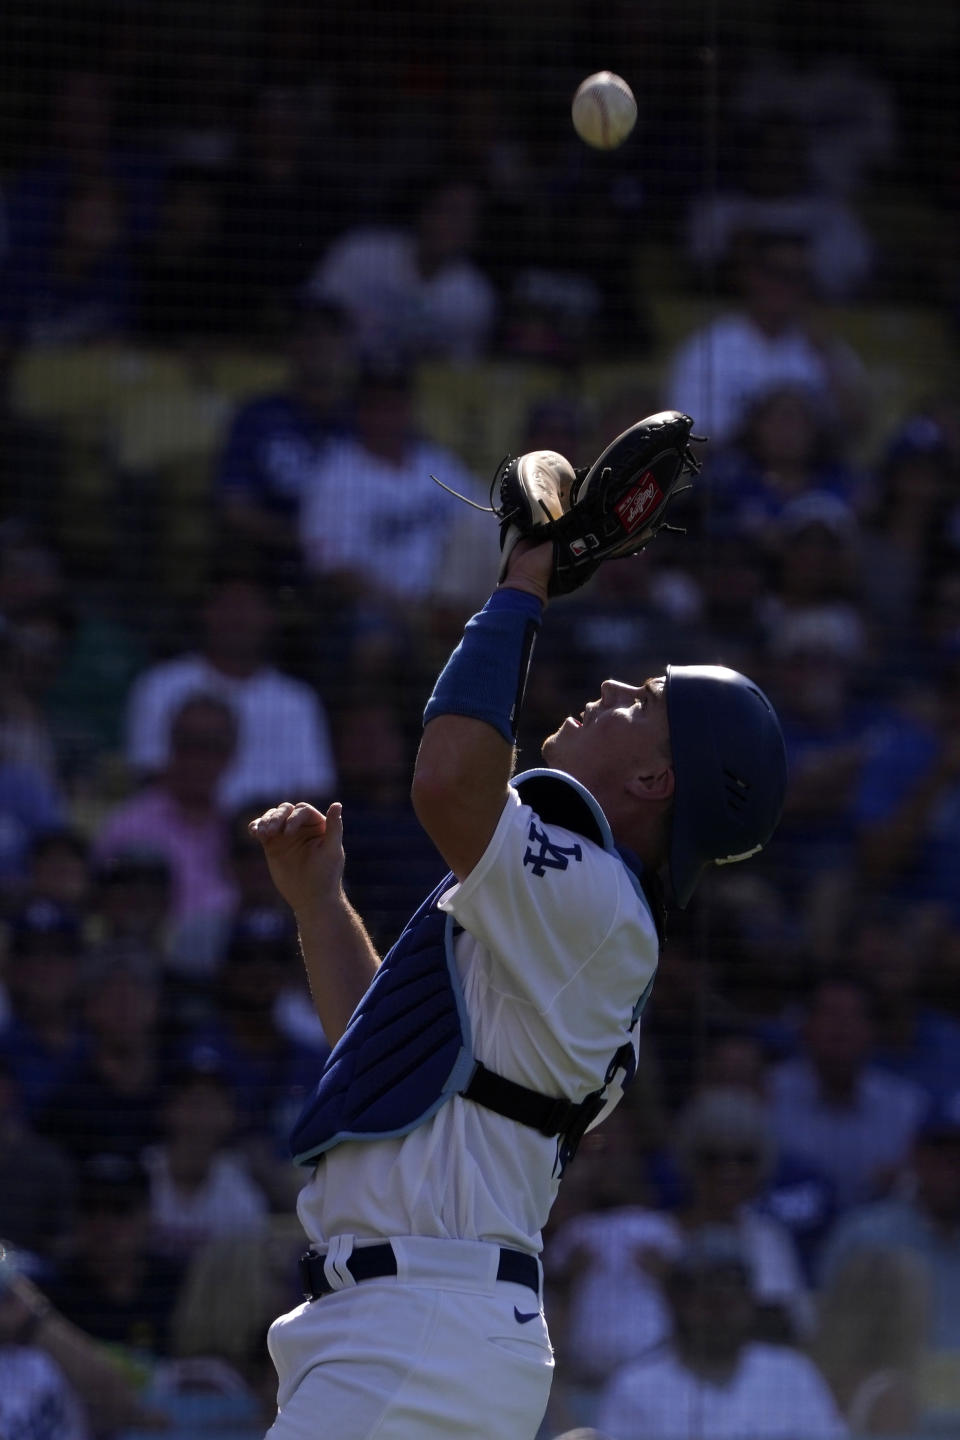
[797,1193]
[686,1002]
[911,535]
[73,210]
[392,861]
[922,1218]
[615,1260]
[52,1348]
[200,1188]
[615,1171]
[816,571]
[177,819]
[36,1398]
[76,647]
[96,645]
[73,651]
[732,576]
[816,70]
[37,1192]
[833,1106]
[181,295]
[871,1339]
[889,945]
[39,642]
[281,202]
[78,138]
[270,1072]
[275,441]
[131,900]
[941,620]
[220,1324]
[572,292]
[374,528]
[774,190]
[111,1283]
[750,941]
[42,1038]
[818,665]
[713,1379]
[31,805]
[784,449]
[79,286]
[908,805]
[771,336]
[283,744]
[59,868]
[727,1157]
[415,288]
[110,1098]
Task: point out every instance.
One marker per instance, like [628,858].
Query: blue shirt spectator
[784,450]
[30,805]
[833,1107]
[77,285]
[924,1220]
[908,802]
[275,442]
[269,1072]
[42,1040]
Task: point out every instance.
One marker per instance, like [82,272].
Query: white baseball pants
[443,1349]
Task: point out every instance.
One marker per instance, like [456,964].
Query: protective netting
[265,268]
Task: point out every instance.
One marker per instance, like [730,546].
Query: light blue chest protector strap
[408,1049]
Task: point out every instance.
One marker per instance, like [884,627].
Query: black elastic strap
[507,1097]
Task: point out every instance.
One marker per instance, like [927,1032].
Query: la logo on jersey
[549,856]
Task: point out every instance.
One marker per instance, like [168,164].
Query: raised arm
[304,849]
[466,755]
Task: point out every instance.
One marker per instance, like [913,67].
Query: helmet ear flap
[730,771]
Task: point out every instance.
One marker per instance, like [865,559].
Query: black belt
[373,1262]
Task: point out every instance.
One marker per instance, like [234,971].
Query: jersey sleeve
[546,902]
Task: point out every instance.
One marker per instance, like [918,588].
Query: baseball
[604,110]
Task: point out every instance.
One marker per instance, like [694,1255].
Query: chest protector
[407,1048]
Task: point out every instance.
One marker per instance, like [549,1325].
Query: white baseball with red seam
[604,110]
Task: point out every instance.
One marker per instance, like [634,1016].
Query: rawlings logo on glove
[611,508]
[634,508]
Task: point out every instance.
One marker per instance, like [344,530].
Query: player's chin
[555,745]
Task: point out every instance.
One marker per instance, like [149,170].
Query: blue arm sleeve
[486,675]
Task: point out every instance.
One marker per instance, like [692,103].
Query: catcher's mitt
[611,508]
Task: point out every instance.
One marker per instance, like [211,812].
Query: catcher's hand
[611,508]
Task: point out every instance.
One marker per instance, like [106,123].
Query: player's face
[625,734]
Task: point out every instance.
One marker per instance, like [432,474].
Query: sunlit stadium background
[196,451]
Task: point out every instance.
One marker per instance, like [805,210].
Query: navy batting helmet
[730,771]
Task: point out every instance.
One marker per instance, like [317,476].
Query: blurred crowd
[764,1239]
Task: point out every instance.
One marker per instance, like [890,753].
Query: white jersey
[556,949]
[381,518]
[617,1310]
[283,740]
[775,1393]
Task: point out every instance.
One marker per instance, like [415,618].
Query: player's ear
[656,784]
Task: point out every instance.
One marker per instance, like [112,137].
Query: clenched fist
[304,850]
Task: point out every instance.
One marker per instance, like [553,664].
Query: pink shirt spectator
[195,851]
